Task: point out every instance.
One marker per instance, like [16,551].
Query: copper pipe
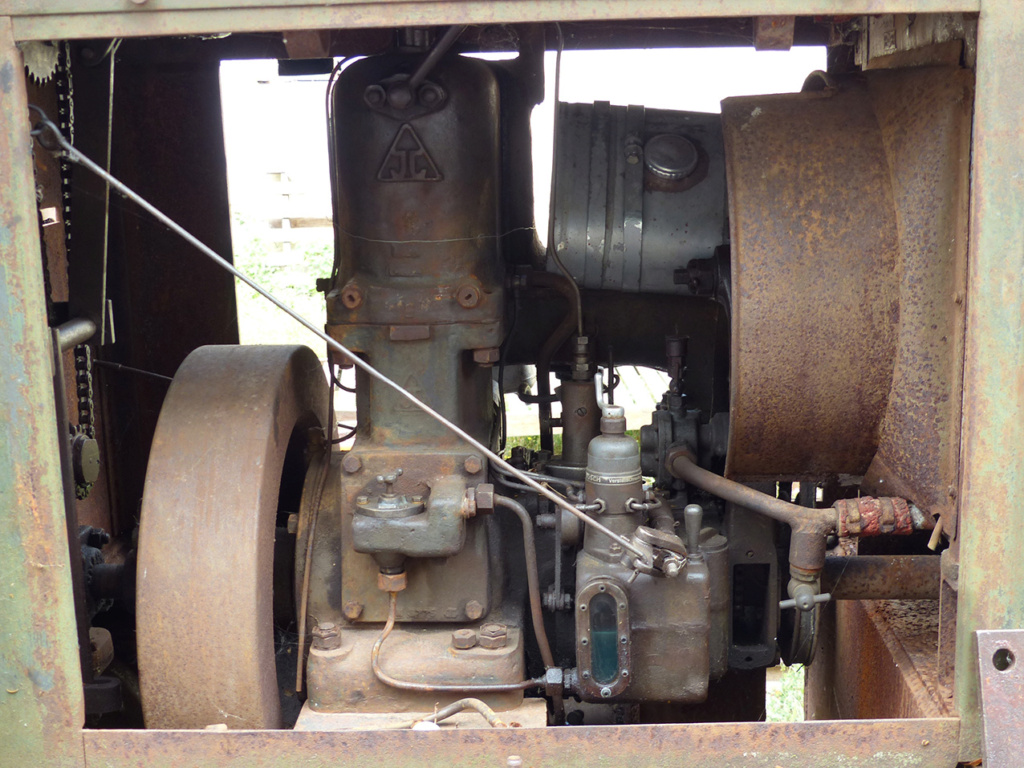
[406,685]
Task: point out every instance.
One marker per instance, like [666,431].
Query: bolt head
[606,692]
[493,636]
[472,464]
[474,610]
[353,609]
[293,523]
[326,636]
[351,296]
[487,356]
[351,463]
[463,639]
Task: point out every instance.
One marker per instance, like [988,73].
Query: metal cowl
[669,156]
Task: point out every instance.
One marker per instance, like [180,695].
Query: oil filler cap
[671,157]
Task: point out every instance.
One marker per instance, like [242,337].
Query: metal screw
[586,675]
[326,636]
[625,673]
[463,639]
[584,641]
[362,499]
[581,411]
[351,463]
[615,548]
[606,692]
[474,610]
[353,609]
[472,464]
[623,640]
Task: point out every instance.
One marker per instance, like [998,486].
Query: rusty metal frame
[41,706]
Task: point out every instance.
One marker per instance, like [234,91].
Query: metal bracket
[1001,669]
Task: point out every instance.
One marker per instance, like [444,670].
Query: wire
[555,142]
[46,125]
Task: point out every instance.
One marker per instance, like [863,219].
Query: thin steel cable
[39,131]
[552,248]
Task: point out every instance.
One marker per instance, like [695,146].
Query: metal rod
[75,332]
[882,577]
[439,50]
[77,157]
[407,685]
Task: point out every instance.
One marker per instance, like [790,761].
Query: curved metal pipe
[407,685]
[810,526]
[532,576]
[568,290]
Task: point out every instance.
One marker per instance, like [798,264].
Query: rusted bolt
[293,523]
[353,609]
[374,95]
[615,548]
[391,582]
[468,296]
[581,411]
[430,94]
[326,636]
[351,463]
[474,610]
[363,499]
[351,296]
[487,356]
[463,639]
[472,464]
[493,636]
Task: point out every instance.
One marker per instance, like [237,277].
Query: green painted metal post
[41,707]
[991,591]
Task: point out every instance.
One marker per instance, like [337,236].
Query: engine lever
[805,603]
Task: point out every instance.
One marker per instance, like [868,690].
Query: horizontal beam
[850,743]
[68,19]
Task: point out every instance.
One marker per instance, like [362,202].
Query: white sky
[274,124]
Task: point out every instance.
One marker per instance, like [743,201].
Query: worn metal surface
[991,476]
[620,222]
[1001,668]
[109,18]
[206,539]
[814,295]
[847,339]
[41,704]
[876,659]
[927,743]
[882,577]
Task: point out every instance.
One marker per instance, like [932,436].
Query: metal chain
[83,385]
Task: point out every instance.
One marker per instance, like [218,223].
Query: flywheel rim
[206,538]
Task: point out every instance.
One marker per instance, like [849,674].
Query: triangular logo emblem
[408,159]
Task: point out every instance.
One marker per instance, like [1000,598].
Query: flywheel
[206,537]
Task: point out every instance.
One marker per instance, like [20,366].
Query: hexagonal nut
[293,523]
[463,639]
[484,498]
[474,610]
[391,582]
[326,636]
[493,636]
[486,356]
[353,609]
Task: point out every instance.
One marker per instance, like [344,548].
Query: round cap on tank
[671,157]
[613,420]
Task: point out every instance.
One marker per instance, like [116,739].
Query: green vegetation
[784,702]
[289,275]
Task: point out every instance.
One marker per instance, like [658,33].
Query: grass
[784,700]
